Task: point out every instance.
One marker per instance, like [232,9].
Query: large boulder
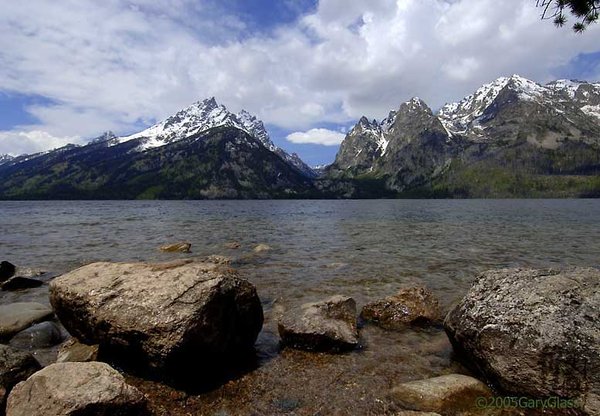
[15,317]
[73,389]
[534,332]
[162,317]
[452,394]
[410,306]
[329,325]
[15,366]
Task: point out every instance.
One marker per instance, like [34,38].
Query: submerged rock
[66,389]
[534,332]
[329,325]
[182,247]
[261,248]
[42,335]
[15,366]
[20,282]
[7,270]
[233,245]
[75,351]
[15,317]
[158,317]
[453,394]
[416,305]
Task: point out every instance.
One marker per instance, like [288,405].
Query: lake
[366,249]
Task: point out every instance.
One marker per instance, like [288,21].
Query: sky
[73,69]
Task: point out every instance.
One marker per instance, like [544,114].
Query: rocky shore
[187,337]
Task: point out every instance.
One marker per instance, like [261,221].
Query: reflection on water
[365,249]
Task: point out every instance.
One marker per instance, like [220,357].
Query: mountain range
[510,138]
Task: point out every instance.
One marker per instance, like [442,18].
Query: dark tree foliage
[585,11]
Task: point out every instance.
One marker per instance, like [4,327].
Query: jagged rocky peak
[104,137]
[6,158]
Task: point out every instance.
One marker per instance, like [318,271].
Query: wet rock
[261,248]
[75,351]
[65,389]
[15,366]
[42,335]
[157,317]
[416,305]
[216,259]
[15,317]
[19,282]
[452,394]
[7,270]
[233,245]
[181,247]
[533,332]
[413,413]
[30,272]
[329,325]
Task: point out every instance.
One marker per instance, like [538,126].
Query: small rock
[453,394]
[15,366]
[7,270]
[69,389]
[181,247]
[29,272]
[216,259]
[415,305]
[261,247]
[413,413]
[233,245]
[42,335]
[19,282]
[329,325]
[15,317]
[74,351]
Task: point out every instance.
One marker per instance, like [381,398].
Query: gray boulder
[15,317]
[42,335]
[452,394]
[70,389]
[15,366]
[415,305]
[160,317]
[534,332]
[329,325]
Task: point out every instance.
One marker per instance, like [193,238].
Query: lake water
[366,249]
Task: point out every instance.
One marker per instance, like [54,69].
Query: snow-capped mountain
[205,115]
[5,158]
[467,116]
[510,122]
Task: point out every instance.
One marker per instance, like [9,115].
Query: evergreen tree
[585,11]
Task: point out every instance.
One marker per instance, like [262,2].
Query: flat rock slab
[20,282]
[74,351]
[410,306]
[15,366]
[66,389]
[182,247]
[329,325]
[15,317]
[159,316]
[533,332]
[453,394]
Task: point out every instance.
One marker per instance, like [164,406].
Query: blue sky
[70,70]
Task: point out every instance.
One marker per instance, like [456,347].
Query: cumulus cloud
[33,141]
[118,65]
[317,136]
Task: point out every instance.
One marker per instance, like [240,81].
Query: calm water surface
[365,249]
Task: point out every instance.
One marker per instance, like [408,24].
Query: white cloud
[20,142]
[324,137]
[110,65]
